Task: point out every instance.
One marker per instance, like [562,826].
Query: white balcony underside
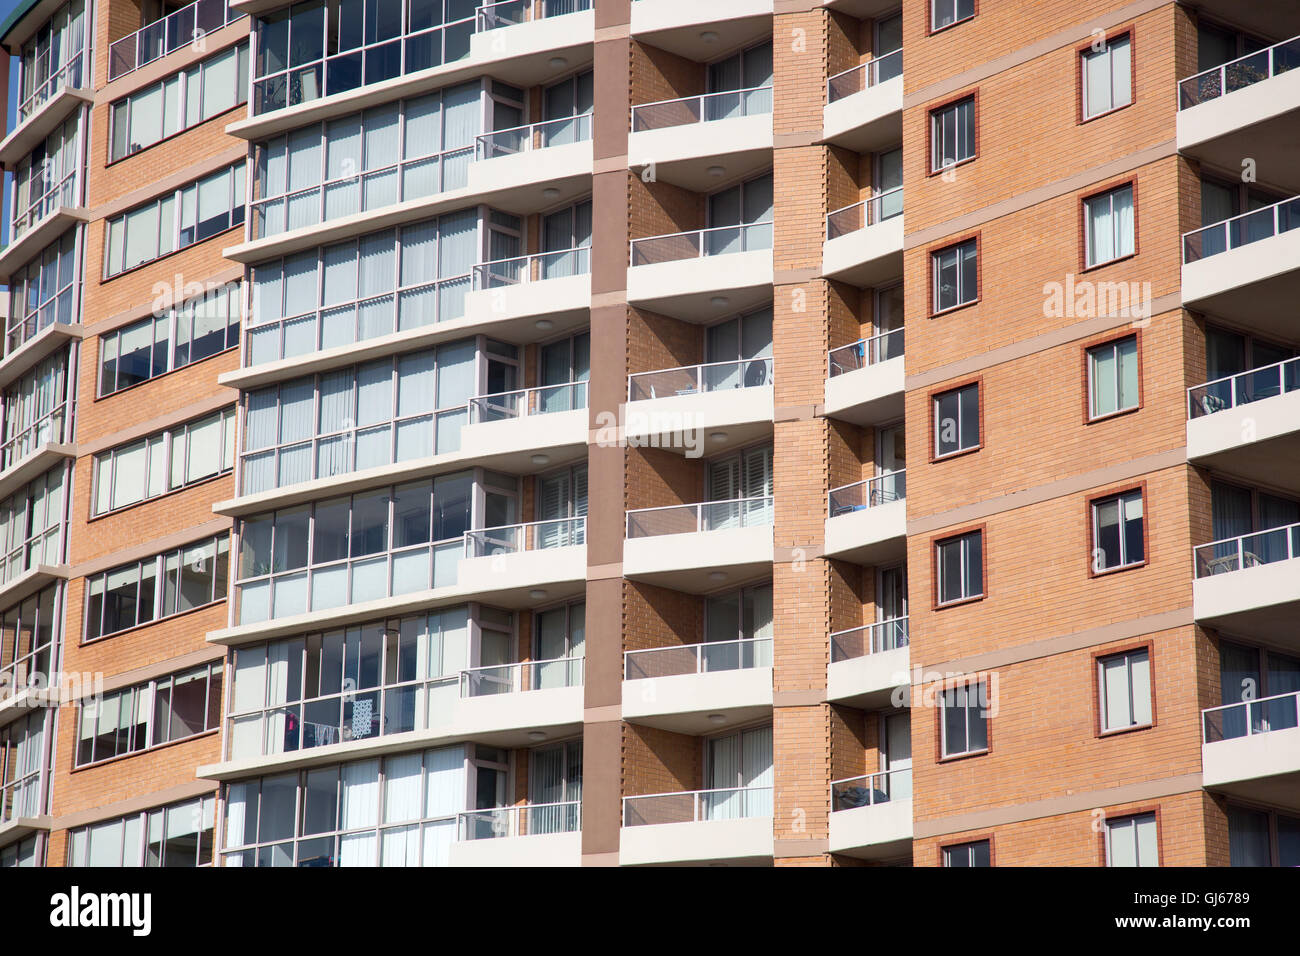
[1259,441]
[684,703]
[682,155]
[561,435]
[879,832]
[1261,767]
[687,562]
[676,25]
[866,257]
[545,849]
[743,841]
[866,121]
[685,289]
[1256,285]
[692,424]
[517,183]
[1260,602]
[870,682]
[564,301]
[867,396]
[873,535]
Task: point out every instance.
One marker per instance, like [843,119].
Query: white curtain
[445,790]
[402,777]
[340,282]
[415,383]
[378,253]
[304,158]
[360,795]
[456,374]
[419,254]
[277,693]
[300,283]
[382,134]
[423,119]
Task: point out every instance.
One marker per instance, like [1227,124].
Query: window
[22,853]
[1117,532]
[24,766]
[738,352]
[191,332]
[179,102]
[36,410]
[1263,838]
[1133,841]
[176,836]
[944,13]
[44,291]
[29,633]
[955,275]
[169,583]
[47,178]
[965,728]
[52,59]
[191,214]
[740,218]
[1124,685]
[1108,220]
[165,462]
[1113,377]
[150,714]
[960,567]
[952,134]
[1107,77]
[968,854]
[31,525]
[738,775]
[957,420]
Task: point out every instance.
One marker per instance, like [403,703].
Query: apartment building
[495,452]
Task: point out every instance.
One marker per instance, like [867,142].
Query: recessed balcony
[864,242]
[864,105]
[548,558]
[548,834]
[697,548]
[867,520]
[1251,750]
[864,380]
[698,31]
[176,31]
[702,826]
[1247,268]
[548,292]
[691,275]
[1249,425]
[1254,99]
[1250,585]
[698,688]
[869,665]
[534,167]
[701,408]
[693,141]
[529,428]
[871,816]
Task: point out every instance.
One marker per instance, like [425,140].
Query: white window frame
[964,296]
[938,140]
[1122,246]
[1105,59]
[964,562]
[1127,827]
[975,695]
[1121,501]
[1115,347]
[1129,658]
[953,5]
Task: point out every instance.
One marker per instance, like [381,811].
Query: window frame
[945,848]
[1086,365]
[932,292]
[1082,53]
[971,684]
[1085,250]
[1098,660]
[931,29]
[1104,833]
[934,397]
[931,141]
[1119,494]
[947,537]
[206,806]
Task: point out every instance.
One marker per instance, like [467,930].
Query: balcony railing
[1239,73]
[860,495]
[1248,550]
[1241,230]
[692,806]
[871,789]
[491,16]
[524,402]
[706,658]
[1244,388]
[537,267]
[186,25]
[498,679]
[706,516]
[524,139]
[67,76]
[1251,717]
[864,75]
[869,639]
[864,352]
[533,536]
[694,379]
[53,426]
[729,104]
[530,819]
[718,241]
[869,212]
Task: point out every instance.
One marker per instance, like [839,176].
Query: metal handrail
[527,136]
[701,248]
[867,351]
[878,788]
[1278,218]
[530,268]
[509,678]
[1269,717]
[697,802]
[699,377]
[524,536]
[761,504]
[873,214]
[871,69]
[167,35]
[505,821]
[1205,399]
[1239,557]
[503,405]
[877,493]
[875,639]
[1239,73]
[699,102]
[698,655]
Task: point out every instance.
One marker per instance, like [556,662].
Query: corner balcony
[531,297]
[547,557]
[696,548]
[703,826]
[1247,107]
[699,409]
[869,665]
[867,520]
[864,380]
[1249,424]
[40,231]
[864,242]
[700,31]
[45,109]
[871,816]
[694,141]
[167,35]
[31,342]
[535,834]
[530,428]
[1247,268]
[1251,750]
[1250,585]
[702,275]
[698,688]
[37,448]
[864,105]
[534,167]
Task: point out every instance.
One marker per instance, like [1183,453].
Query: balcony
[864,380]
[46,108]
[702,826]
[698,688]
[721,404]
[546,558]
[1250,585]
[700,31]
[1254,99]
[871,816]
[867,520]
[536,834]
[173,32]
[1251,750]
[518,429]
[37,448]
[696,275]
[693,141]
[35,339]
[26,243]
[1247,268]
[546,293]
[695,548]
[864,242]
[530,168]
[869,664]
[1249,425]
[864,105]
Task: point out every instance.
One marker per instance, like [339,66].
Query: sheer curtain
[724,774]
[458,251]
[360,809]
[462,111]
[756,771]
[444,798]
[402,779]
